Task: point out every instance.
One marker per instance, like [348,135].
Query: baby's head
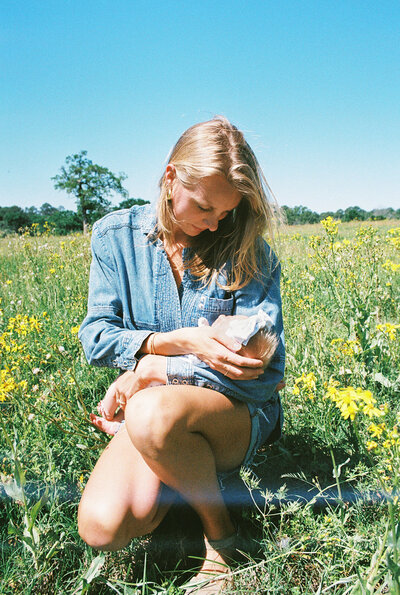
[262,346]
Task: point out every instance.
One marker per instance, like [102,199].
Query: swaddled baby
[255,334]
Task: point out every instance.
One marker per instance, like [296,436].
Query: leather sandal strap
[222,544]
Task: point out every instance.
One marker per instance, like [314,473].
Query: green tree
[299,215]
[129,202]
[91,184]
[354,213]
[12,219]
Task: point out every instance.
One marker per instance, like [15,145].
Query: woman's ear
[170,173]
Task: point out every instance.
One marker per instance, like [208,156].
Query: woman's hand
[151,368]
[218,351]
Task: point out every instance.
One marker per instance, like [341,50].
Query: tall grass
[340,288]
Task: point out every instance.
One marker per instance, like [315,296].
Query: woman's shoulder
[138,217]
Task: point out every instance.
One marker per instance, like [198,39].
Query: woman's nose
[212,223]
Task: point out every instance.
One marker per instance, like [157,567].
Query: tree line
[92,185]
[61,221]
[300,215]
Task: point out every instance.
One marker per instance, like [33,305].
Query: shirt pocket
[210,307]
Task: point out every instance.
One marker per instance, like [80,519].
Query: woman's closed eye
[209,210]
[204,209]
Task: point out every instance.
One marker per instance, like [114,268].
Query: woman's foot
[213,576]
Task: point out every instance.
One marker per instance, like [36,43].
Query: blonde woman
[153,275]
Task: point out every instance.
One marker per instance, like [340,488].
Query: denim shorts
[266,427]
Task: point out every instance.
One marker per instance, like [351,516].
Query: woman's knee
[101,527]
[151,417]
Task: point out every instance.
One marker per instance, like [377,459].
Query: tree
[13,218]
[91,184]
[47,210]
[299,215]
[129,202]
[64,221]
[354,213]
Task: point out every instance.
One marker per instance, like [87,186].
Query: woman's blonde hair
[218,147]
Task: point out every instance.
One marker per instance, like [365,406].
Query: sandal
[221,556]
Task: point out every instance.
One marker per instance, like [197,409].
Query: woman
[152,277]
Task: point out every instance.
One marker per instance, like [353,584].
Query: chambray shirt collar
[149,222]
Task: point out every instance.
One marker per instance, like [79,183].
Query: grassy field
[340,288]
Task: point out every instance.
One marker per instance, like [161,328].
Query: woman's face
[202,206]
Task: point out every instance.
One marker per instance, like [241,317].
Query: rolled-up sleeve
[104,338]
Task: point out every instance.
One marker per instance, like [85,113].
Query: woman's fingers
[109,427]
[109,404]
[219,355]
[240,373]
[118,394]
[236,367]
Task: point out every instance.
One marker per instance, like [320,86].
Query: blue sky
[315,86]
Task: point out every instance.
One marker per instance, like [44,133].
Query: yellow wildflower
[34,323]
[22,324]
[394,238]
[351,401]
[331,226]
[371,444]
[348,348]
[372,411]
[388,329]
[305,383]
[315,241]
[376,430]
[388,265]
[7,384]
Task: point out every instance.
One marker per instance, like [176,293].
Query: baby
[254,333]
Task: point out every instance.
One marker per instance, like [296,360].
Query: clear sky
[315,85]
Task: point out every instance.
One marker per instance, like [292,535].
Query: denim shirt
[133,293]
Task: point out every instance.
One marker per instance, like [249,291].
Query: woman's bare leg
[186,434]
[123,497]
[179,436]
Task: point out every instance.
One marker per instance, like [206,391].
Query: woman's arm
[105,339]
[211,345]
